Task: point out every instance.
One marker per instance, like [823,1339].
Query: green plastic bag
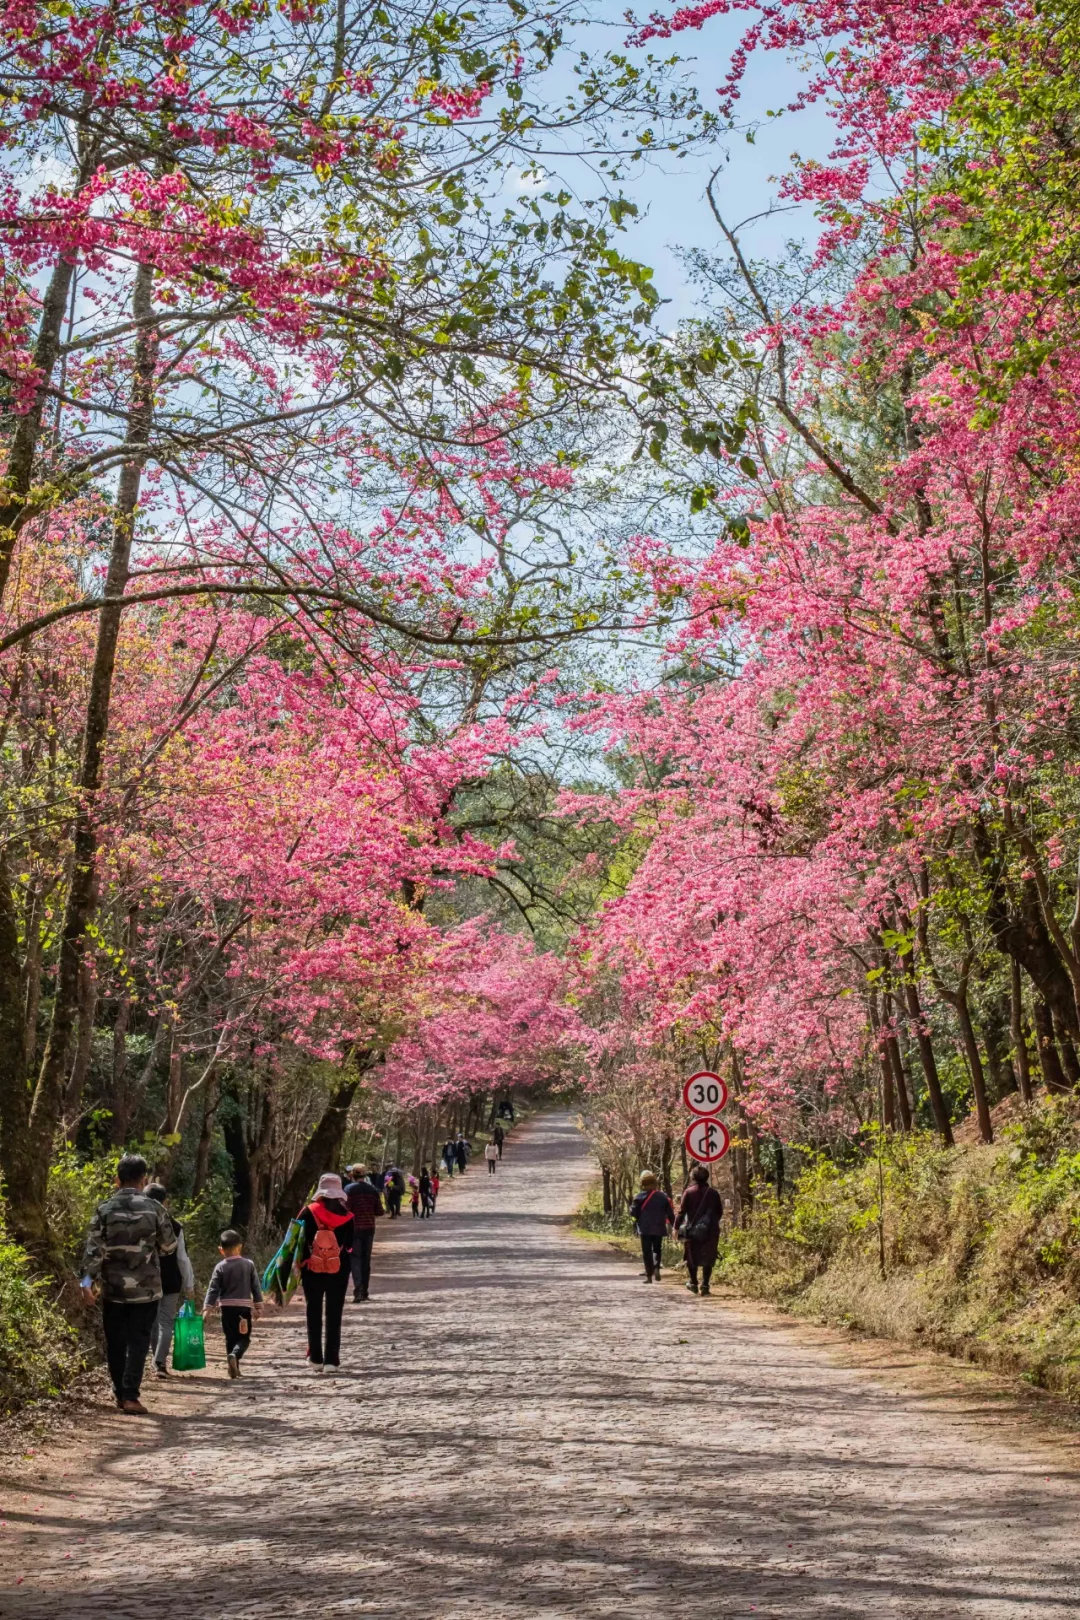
[189,1345]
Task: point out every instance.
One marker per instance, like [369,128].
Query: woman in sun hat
[325,1268]
[653,1215]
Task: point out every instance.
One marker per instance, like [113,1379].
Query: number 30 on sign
[707,1140]
[704,1093]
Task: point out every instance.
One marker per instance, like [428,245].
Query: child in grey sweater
[235,1290]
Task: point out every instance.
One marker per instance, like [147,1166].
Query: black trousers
[236,1341]
[324,1293]
[127,1343]
[651,1250]
[361,1261]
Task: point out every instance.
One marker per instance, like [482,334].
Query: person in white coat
[491,1154]
[177,1280]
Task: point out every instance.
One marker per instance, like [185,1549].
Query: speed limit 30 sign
[707,1140]
[705,1093]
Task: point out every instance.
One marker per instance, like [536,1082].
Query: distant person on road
[461,1154]
[394,1190]
[491,1154]
[234,1290]
[177,1279]
[325,1268]
[414,1197]
[449,1156]
[653,1215]
[436,1183]
[427,1202]
[129,1236]
[700,1214]
[498,1136]
[365,1207]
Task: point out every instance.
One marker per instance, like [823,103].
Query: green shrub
[981,1244]
[39,1351]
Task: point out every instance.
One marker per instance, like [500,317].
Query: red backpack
[325,1254]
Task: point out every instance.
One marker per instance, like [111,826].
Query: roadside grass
[981,1245]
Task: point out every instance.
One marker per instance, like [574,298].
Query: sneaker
[331,1369]
[314,1366]
[234,1365]
[648,1277]
[357,1296]
[160,1372]
[705,1289]
[134,1409]
[691,1288]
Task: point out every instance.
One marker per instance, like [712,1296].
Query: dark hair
[699,1174]
[230,1239]
[157,1192]
[132,1168]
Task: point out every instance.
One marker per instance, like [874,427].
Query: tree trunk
[323,1147]
[606,1173]
[206,1136]
[27,1198]
[32,981]
[19,473]
[665,1164]
[15,1149]
[929,1062]
[1019,1033]
[236,1147]
[959,1002]
[1049,1061]
[80,1068]
[896,1063]
[174,1089]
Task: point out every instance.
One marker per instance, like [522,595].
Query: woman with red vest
[325,1268]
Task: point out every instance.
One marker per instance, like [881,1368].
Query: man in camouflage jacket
[128,1235]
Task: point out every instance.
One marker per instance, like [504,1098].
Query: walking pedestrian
[436,1183]
[498,1136]
[325,1267]
[427,1201]
[449,1156]
[366,1207]
[414,1197]
[491,1154]
[177,1280]
[394,1190]
[700,1213]
[654,1216]
[234,1290]
[461,1154]
[128,1236]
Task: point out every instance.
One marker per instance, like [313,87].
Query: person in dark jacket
[427,1199]
[498,1136]
[700,1214]
[325,1283]
[128,1237]
[461,1154]
[366,1207]
[177,1278]
[394,1190]
[653,1215]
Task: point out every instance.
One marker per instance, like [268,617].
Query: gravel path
[526,1433]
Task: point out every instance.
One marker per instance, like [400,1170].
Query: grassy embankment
[981,1246]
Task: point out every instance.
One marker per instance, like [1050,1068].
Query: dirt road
[528,1433]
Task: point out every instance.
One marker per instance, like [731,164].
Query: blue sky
[671,197]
